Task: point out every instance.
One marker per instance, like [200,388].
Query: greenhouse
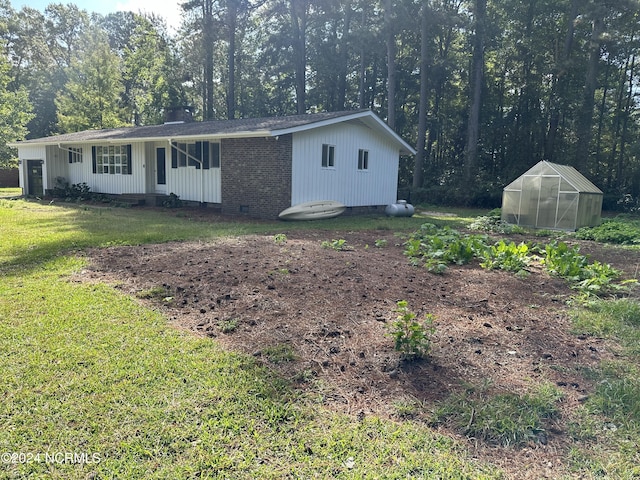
[552,196]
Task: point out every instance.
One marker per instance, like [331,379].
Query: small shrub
[493,223]
[412,338]
[71,192]
[173,201]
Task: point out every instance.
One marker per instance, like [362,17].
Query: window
[75,155]
[197,154]
[328,156]
[363,159]
[112,159]
[214,155]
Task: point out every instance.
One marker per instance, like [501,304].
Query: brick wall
[256,176]
[9,178]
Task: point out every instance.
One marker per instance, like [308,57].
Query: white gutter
[125,141]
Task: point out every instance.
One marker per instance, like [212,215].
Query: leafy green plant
[381,243]
[494,224]
[280,238]
[412,338]
[505,256]
[590,279]
[229,325]
[435,247]
[564,261]
[338,245]
[613,231]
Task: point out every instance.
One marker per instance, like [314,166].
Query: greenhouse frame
[552,196]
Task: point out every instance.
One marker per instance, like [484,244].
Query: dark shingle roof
[208,128]
[250,127]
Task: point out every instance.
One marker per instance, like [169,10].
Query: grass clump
[229,325]
[619,318]
[504,419]
[280,353]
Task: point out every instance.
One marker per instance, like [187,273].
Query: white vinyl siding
[344,183]
[103,182]
[195,184]
[191,183]
[33,153]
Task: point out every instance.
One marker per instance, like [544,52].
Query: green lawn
[10,192]
[95,386]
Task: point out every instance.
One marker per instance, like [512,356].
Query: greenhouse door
[548,202]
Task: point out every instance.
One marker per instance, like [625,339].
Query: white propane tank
[400,209]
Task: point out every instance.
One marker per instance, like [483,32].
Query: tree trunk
[477,74]
[344,57]
[560,84]
[391,64]
[208,41]
[232,21]
[585,115]
[299,25]
[625,127]
[418,166]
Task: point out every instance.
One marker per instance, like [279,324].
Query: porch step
[140,199]
[131,199]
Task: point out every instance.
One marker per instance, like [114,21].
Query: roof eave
[405,148]
[162,138]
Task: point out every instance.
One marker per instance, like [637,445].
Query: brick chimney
[180,114]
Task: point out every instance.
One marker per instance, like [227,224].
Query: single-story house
[256,167]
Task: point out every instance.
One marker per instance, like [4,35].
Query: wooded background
[483,88]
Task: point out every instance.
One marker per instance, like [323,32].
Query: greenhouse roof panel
[570,175]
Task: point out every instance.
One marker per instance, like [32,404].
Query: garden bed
[320,316]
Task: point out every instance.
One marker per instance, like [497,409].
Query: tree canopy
[483,88]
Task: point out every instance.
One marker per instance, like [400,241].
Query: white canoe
[313,210]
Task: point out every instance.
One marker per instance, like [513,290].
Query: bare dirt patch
[332,310]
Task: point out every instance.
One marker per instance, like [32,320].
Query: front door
[161,170]
[34,178]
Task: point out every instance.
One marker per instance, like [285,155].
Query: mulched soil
[334,309]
